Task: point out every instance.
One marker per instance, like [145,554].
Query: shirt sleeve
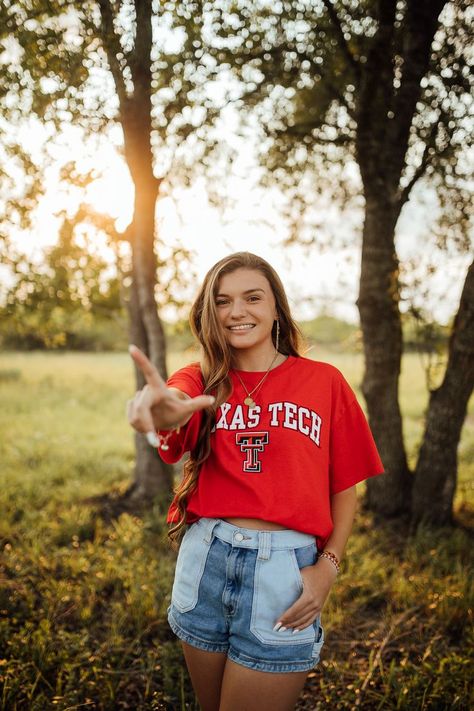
[353,455]
[189,381]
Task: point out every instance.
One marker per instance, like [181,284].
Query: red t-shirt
[307,438]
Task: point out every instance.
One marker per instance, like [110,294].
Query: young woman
[277,444]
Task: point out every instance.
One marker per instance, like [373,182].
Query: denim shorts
[230,586]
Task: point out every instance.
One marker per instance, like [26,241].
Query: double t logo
[252,443]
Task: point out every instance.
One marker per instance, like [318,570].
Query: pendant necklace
[249,399]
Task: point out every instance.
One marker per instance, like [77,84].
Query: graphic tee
[306,439]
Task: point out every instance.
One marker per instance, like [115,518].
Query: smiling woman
[277,443]
[246,309]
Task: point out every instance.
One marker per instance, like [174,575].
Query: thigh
[246,689]
[206,670]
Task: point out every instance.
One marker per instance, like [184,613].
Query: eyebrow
[248,291]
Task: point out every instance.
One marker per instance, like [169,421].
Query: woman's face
[246,308]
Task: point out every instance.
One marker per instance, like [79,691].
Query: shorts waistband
[264,541]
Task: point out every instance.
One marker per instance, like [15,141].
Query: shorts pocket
[319,639]
[190,564]
[277,585]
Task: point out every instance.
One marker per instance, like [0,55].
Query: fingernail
[277,627]
[153,440]
[282,629]
[295,630]
[212,399]
[132,348]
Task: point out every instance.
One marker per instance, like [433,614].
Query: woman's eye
[224,302]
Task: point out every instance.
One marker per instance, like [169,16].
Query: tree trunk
[384,118]
[435,476]
[151,476]
[382,338]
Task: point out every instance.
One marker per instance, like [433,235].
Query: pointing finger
[146,366]
[199,402]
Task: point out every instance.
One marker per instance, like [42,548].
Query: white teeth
[243,327]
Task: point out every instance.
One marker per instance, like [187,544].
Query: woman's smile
[241,327]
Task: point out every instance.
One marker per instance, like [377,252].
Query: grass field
[83,601]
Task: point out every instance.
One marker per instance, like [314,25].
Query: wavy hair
[216,360]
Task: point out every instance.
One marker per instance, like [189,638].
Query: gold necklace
[249,400]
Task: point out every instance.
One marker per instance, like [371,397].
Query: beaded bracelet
[332,557]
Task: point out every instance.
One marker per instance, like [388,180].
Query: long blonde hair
[216,358]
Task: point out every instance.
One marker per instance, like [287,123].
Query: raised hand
[157,407]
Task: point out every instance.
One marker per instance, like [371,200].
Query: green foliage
[420,334]
[60,328]
[179,337]
[83,599]
[331,332]
[70,301]
[340,91]
[94,65]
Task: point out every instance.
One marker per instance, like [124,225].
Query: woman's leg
[206,670]
[245,689]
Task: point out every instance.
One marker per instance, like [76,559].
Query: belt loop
[209,524]
[264,545]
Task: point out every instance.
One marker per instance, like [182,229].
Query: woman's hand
[317,582]
[157,407]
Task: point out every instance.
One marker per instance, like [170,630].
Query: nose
[238,309]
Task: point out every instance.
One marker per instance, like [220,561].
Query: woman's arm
[319,578]
[343,509]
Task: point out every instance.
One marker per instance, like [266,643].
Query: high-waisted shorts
[231,585]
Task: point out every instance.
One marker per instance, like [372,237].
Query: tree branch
[341,39]
[425,159]
[421,23]
[112,48]
[337,93]
[140,57]
[376,79]
[305,128]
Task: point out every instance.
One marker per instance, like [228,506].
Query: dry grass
[83,600]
